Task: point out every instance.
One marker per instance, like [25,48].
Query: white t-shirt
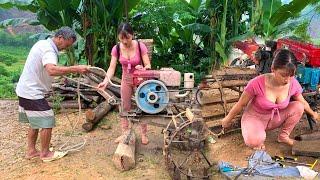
[35,81]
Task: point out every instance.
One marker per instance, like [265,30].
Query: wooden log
[70,104]
[114,90]
[310,136]
[96,114]
[212,96]
[96,79]
[102,75]
[124,156]
[68,82]
[88,126]
[234,71]
[214,110]
[306,148]
[67,88]
[229,83]
[93,116]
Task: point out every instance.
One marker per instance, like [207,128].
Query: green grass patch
[12,60]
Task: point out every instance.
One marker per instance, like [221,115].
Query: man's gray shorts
[36,112]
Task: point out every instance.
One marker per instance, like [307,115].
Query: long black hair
[285,59]
[125,30]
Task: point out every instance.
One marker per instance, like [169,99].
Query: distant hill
[15,13]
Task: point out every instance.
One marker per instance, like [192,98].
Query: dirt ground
[93,161]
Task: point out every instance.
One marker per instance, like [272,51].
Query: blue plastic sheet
[260,164]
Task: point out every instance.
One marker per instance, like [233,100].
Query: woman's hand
[103,85]
[139,67]
[315,116]
[226,123]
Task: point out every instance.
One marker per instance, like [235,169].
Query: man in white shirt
[35,81]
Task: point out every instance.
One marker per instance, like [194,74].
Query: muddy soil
[94,160]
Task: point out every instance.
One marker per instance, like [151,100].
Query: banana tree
[100,19]
[276,16]
[94,20]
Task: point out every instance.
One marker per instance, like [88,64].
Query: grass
[20,53]
[11,72]
[12,60]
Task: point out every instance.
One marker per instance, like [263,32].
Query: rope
[78,146]
[105,73]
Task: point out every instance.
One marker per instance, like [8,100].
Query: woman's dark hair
[124,30]
[285,59]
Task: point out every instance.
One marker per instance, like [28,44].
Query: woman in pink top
[130,60]
[268,106]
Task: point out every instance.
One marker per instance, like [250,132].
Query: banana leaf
[287,11]
[198,28]
[221,51]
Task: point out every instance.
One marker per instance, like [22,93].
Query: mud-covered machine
[162,102]
[165,99]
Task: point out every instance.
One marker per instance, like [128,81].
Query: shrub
[3,71]
[17,40]
[15,76]
[6,89]
[8,59]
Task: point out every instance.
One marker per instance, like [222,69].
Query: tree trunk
[124,156]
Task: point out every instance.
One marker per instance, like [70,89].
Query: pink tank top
[128,65]
[256,88]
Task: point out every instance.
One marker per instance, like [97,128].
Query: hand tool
[298,163]
[285,158]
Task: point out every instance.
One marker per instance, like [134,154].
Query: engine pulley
[152,96]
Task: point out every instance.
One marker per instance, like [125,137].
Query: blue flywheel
[152,96]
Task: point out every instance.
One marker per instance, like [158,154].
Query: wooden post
[124,156]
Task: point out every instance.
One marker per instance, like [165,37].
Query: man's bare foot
[32,154]
[288,141]
[144,140]
[46,154]
[52,156]
[262,147]
[119,139]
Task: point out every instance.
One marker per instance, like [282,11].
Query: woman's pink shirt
[257,90]
[128,65]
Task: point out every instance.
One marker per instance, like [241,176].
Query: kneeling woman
[267,101]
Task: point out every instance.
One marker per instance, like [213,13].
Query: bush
[15,76]
[3,71]
[18,40]
[8,59]
[6,88]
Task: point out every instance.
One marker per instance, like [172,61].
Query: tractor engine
[308,72]
[156,88]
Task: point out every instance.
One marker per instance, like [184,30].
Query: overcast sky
[286,1]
